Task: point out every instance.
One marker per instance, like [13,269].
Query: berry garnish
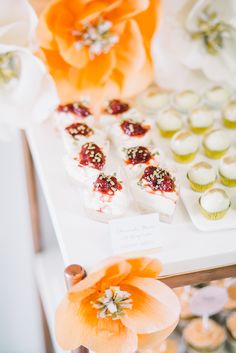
[76,108]
[157,179]
[132,128]
[92,156]
[106,184]
[115,107]
[79,129]
[137,155]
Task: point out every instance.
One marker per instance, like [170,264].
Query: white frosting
[217,95]
[186,100]
[217,140]
[184,142]
[152,98]
[63,119]
[215,200]
[230,111]
[170,120]
[228,167]
[201,117]
[202,173]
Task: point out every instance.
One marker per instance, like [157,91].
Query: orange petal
[96,9]
[145,267]
[149,16]
[129,8]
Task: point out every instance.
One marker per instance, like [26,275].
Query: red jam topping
[107,185]
[137,155]
[133,129]
[115,107]
[76,108]
[92,156]
[79,129]
[158,179]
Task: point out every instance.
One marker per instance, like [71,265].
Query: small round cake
[216,143]
[201,339]
[153,99]
[186,100]
[217,96]
[214,204]
[184,146]
[201,119]
[169,122]
[201,176]
[229,115]
[231,331]
[227,170]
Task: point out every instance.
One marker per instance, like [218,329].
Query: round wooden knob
[74,274]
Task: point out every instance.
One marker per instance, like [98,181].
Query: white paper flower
[195,43]
[27,92]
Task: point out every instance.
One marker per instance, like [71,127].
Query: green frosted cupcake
[184,146]
[201,176]
[227,170]
[169,122]
[216,143]
[214,204]
[229,115]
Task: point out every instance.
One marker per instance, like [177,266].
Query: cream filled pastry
[204,339]
[227,170]
[217,96]
[201,119]
[184,145]
[229,115]
[186,100]
[89,161]
[169,122]
[201,176]
[153,99]
[216,143]
[113,112]
[214,204]
[70,113]
[156,190]
[107,196]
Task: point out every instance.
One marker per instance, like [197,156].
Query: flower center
[112,303]
[9,67]
[212,31]
[97,37]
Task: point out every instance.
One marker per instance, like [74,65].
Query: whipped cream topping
[217,95]
[217,140]
[184,142]
[186,100]
[228,166]
[215,200]
[230,111]
[170,120]
[153,98]
[202,173]
[201,117]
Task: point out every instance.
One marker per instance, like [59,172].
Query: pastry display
[227,170]
[154,99]
[231,331]
[156,190]
[107,196]
[186,100]
[169,122]
[217,96]
[229,115]
[204,339]
[113,112]
[70,113]
[214,204]
[216,143]
[184,146]
[201,176]
[201,119]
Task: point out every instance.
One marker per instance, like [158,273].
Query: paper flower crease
[98,48]
[121,303]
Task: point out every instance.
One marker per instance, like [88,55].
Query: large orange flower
[98,47]
[121,305]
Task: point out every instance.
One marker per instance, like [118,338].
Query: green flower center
[9,67]
[213,31]
[98,37]
[112,303]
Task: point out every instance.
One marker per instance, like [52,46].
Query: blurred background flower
[195,44]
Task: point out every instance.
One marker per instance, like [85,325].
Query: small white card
[135,234]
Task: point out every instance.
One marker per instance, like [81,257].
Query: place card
[136,234]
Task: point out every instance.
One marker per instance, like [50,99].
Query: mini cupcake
[71,113]
[205,340]
[231,332]
[217,96]
[201,119]
[216,143]
[186,100]
[229,115]
[113,112]
[185,294]
[154,99]
[169,122]
[106,197]
[214,204]
[201,176]
[184,146]
[227,170]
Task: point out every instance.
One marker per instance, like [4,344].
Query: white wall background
[20,325]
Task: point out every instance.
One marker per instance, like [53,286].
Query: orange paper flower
[121,305]
[98,47]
